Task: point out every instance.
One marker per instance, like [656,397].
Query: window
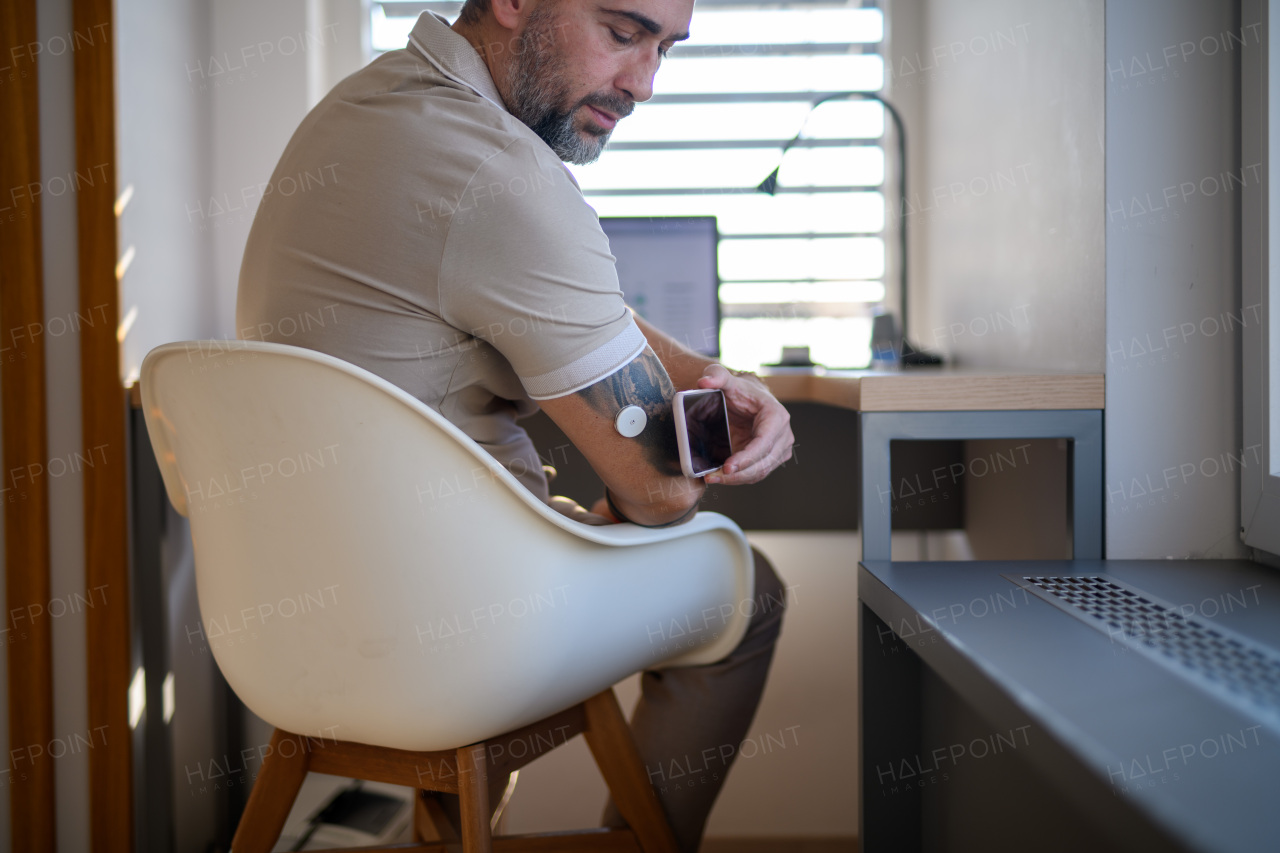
[1260,284]
[804,267]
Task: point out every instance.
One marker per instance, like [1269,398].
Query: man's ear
[511,14]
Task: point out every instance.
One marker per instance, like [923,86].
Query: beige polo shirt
[417,229]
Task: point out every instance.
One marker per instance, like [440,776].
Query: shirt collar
[453,56]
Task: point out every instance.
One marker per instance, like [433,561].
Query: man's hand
[759,426]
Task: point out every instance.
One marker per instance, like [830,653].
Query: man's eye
[619,37]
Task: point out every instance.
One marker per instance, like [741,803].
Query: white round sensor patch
[631,421]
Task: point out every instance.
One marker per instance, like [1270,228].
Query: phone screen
[707,425]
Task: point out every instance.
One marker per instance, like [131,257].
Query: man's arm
[642,474]
[760,426]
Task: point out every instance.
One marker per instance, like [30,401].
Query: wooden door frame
[24,446]
[25,443]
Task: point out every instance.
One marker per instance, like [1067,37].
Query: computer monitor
[667,267]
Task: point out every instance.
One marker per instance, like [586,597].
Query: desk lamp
[911,356]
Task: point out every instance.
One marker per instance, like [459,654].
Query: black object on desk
[996,720]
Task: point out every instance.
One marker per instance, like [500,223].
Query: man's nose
[636,79]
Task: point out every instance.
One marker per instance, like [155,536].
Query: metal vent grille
[1136,619]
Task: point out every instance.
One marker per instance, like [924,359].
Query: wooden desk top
[941,390]
[948,390]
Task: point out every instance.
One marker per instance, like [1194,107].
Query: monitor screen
[668,272]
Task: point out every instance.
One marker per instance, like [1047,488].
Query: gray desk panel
[1082,427]
[1141,749]
[1237,594]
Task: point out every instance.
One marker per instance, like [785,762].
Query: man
[456,257]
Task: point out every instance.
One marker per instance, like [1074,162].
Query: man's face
[580,65]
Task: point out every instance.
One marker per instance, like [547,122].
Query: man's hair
[473,11]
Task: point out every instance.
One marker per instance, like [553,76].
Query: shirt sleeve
[527,268]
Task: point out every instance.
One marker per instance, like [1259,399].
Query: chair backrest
[367,572]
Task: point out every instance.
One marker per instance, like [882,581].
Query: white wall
[164,146]
[1173,174]
[163,152]
[1018,276]
[268,64]
[1003,101]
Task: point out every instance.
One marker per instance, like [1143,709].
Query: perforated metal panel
[1209,653]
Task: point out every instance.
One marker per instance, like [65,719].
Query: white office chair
[385,594]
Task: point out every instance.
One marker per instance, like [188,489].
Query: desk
[963,404]
[1104,747]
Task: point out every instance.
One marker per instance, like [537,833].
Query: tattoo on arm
[644,383]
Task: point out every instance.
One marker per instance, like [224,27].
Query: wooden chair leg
[609,738]
[473,791]
[274,791]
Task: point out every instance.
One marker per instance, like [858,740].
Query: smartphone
[702,431]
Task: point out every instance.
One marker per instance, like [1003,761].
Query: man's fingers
[753,454]
[748,474]
[715,377]
[752,409]
[754,462]
[715,380]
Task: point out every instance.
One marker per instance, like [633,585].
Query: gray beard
[538,90]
